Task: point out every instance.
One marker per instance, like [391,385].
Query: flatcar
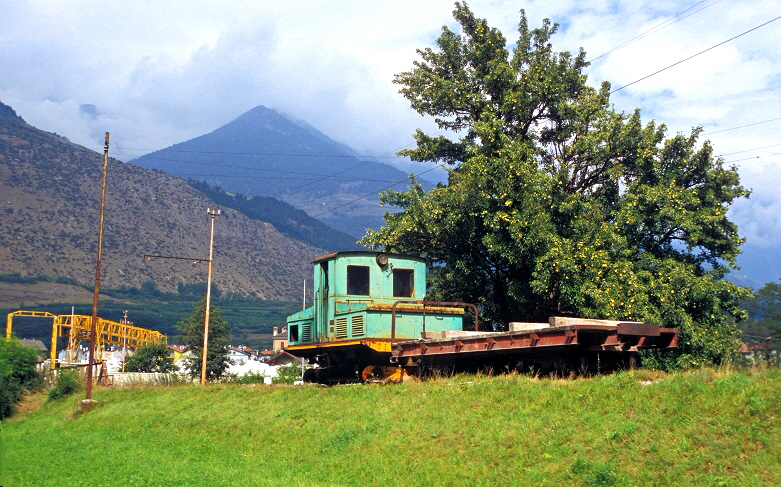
[370,320]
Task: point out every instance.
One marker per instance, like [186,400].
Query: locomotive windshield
[403,280]
[358,280]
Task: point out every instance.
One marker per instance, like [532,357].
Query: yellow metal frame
[107,332]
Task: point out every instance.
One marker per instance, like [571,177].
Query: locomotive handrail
[427,303]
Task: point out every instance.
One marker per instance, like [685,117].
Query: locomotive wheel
[385,374]
[312,376]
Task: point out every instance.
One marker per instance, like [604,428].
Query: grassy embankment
[711,428]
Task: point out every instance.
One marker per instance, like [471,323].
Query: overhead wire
[374,192]
[350,169]
[695,55]
[339,156]
[755,157]
[276,177]
[657,28]
[747,150]
[233,166]
[320,177]
[742,126]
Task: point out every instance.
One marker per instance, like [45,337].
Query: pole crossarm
[193,260]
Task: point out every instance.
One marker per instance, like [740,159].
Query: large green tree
[151,358]
[555,203]
[764,323]
[191,330]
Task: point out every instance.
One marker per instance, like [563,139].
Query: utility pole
[213,214]
[93,326]
[124,340]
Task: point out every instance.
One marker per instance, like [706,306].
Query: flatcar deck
[579,346]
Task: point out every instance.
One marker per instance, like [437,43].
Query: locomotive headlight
[382,260]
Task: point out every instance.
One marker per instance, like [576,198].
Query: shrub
[288,374]
[248,378]
[68,382]
[18,374]
[151,358]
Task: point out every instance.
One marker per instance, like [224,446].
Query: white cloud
[163,72]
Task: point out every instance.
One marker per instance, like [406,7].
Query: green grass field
[643,428]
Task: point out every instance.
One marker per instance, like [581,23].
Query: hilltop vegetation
[704,427]
[286,218]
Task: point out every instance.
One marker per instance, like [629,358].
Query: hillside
[50,201]
[264,153]
[704,428]
[294,223]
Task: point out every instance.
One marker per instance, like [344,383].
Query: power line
[695,55]
[658,27]
[373,192]
[743,126]
[264,154]
[275,177]
[233,166]
[755,157]
[351,168]
[747,150]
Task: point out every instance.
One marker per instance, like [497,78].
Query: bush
[68,382]
[248,378]
[151,358]
[288,374]
[18,374]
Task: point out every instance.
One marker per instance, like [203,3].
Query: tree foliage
[191,330]
[288,373]
[18,373]
[555,203]
[764,323]
[151,358]
[67,383]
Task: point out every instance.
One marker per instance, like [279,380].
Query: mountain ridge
[265,153]
[50,203]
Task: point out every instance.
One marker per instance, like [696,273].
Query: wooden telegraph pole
[94,325]
[213,214]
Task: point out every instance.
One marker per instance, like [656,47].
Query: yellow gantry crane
[78,326]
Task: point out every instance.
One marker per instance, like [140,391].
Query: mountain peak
[8,113]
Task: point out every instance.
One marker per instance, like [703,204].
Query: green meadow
[642,428]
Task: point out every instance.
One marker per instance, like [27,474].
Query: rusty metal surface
[591,338]
[429,303]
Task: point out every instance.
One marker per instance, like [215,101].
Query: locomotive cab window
[403,280]
[358,280]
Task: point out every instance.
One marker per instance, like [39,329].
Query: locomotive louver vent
[341,328]
[306,333]
[357,324]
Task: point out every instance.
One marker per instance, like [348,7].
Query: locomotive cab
[363,302]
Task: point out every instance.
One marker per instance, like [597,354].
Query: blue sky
[162,72]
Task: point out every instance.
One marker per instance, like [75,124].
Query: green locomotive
[363,302]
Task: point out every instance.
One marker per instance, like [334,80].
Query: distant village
[243,360]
